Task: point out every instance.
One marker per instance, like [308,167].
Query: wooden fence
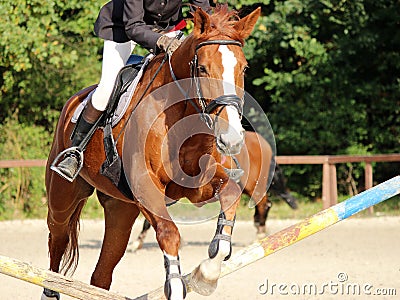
[328,162]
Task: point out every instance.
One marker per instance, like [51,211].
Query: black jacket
[139,20]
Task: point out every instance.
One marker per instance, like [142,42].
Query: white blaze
[229,61]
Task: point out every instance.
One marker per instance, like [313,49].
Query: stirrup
[72,150]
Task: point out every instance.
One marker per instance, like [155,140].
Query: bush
[22,190]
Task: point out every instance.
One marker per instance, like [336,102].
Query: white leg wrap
[173,271]
[44,297]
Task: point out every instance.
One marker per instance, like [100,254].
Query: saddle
[124,87]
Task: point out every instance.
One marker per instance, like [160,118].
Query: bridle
[220,102]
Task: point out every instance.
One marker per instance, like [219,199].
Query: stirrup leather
[69,151]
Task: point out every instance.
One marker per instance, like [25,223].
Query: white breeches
[115,56]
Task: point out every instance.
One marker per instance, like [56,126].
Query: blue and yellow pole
[311,225]
[299,231]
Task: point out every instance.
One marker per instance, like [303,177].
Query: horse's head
[217,64]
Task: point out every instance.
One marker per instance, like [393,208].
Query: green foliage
[327,74]
[22,191]
[48,53]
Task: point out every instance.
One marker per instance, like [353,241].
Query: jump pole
[242,258]
[299,231]
[54,281]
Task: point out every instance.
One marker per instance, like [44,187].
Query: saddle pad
[124,99]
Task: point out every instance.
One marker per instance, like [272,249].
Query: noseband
[221,101]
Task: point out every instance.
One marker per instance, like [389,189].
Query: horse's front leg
[168,238]
[204,278]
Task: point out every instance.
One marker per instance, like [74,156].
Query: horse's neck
[198,143]
[180,60]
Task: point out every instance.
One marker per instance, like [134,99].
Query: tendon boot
[72,161]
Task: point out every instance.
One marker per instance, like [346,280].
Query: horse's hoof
[261,232]
[200,284]
[261,236]
[136,245]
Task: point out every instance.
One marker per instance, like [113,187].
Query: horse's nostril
[221,144]
[228,148]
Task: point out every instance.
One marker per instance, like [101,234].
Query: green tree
[327,73]
[48,53]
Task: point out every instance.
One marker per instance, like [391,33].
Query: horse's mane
[222,21]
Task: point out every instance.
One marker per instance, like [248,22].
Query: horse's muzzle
[228,145]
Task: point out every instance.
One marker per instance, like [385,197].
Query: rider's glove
[170,44]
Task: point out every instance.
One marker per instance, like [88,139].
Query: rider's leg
[70,164]
[115,56]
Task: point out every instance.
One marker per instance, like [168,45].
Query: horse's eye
[245,69]
[203,69]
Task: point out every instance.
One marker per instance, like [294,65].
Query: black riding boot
[69,166]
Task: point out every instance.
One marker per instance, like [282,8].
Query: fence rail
[329,178]
[328,162]
[16,163]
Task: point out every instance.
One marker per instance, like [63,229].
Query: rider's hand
[171,43]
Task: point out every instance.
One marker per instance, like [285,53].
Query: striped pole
[54,281]
[299,231]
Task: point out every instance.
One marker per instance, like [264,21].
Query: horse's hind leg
[205,276]
[65,203]
[260,216]
[119,218]
[138,244]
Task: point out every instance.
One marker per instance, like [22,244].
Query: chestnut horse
[151,167]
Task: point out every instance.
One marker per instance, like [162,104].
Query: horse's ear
[201,23]
[246,25]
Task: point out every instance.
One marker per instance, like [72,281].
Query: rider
[123,24]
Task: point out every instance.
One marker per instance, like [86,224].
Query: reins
[166,56]
[142,96]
